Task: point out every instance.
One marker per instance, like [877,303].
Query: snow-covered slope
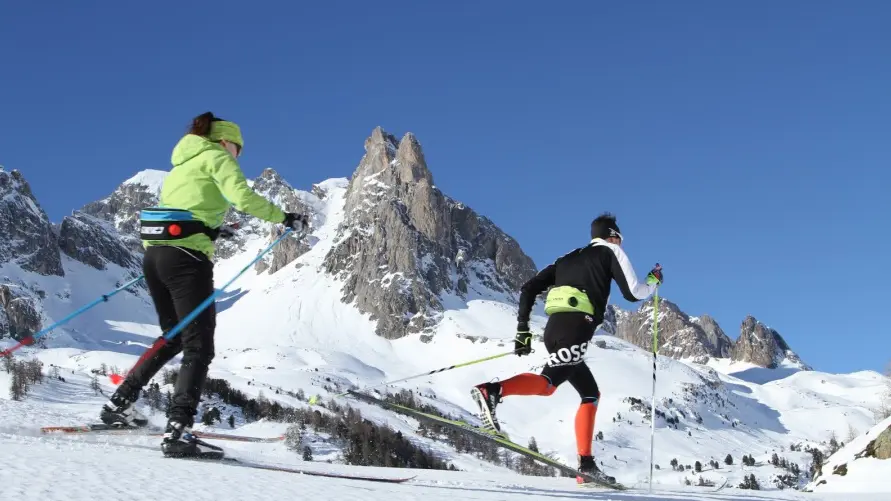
[123,467]
[150,180]
[863,465]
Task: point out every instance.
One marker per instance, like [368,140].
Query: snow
[291,330]
[152,179]
[94,466]
[844,471]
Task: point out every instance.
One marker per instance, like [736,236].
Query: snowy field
[131,467]
[68,470]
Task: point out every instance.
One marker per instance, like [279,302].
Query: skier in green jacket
[179,236]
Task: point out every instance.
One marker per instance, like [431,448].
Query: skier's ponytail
[201,124]
[216,129]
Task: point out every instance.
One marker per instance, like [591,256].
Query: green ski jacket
[206,180]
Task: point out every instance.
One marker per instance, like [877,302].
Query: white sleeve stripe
[638,289]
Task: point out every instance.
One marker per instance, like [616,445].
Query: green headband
[223,130]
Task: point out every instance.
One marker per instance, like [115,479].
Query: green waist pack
[567,299]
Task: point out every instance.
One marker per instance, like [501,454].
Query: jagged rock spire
[401,236]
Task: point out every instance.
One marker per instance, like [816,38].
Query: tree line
[362,441]
[25,374]
[468,442]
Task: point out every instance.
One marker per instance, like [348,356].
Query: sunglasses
[616,234]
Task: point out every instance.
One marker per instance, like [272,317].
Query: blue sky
[743,146]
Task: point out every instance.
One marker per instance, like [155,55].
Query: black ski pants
[179,280]
[567,337]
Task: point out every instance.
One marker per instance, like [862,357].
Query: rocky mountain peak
[404,247]
[379,137]
[14,181]
[715,335]
[410,159]
[680,336]
[121,208]
[763,346]
[28,240]
[107,231]
[272,186]
[270,178]
[95,242]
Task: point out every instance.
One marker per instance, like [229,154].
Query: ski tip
[116,379]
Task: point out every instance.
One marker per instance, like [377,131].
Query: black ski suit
[590,269]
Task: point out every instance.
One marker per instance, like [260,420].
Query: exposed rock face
[680,336]
[123,206]
[404,247]
[610,319]
[282,254]
[715,336]
[28,238]
[270,185]
[880,448]
[19,316]
[762,346]
[95,242]
[699,338]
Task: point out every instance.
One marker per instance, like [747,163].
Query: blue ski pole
[161,341]
[104,298]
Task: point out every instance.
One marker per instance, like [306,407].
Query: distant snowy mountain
[28,239]
[699,339]
[683,337]
[395,278]
[763,346]
[121,207]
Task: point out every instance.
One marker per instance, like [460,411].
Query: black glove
[228,230]
[523,341]
[295,221]
[655,275]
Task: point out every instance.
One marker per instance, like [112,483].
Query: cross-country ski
[151,431]
[495,437]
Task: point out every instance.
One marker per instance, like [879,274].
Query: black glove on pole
[523,340]
[295,221]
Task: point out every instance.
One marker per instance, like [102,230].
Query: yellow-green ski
[500,439]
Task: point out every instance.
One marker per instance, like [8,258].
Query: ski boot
[588,466]
[487,397]
[180,443]
[121,413]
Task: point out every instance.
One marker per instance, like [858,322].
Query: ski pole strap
[568,299]
[162,223]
